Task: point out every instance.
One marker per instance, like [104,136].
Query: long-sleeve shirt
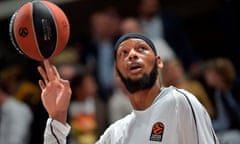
[175,117]
[55,132]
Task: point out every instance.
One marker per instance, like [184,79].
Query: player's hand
[56,92]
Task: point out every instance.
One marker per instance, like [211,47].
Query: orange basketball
[39,30]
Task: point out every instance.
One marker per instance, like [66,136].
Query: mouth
[135,68]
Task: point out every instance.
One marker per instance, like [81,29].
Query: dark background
[212,26]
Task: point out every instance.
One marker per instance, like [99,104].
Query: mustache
[137,61]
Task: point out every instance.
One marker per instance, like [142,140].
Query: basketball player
[165,115]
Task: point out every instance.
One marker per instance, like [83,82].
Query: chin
[135,78]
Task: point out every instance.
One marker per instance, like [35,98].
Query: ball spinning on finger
[39,30]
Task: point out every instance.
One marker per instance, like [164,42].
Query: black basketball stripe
[45,29]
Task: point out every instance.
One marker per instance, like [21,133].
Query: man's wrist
[60,116]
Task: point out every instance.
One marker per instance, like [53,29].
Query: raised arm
[56,94]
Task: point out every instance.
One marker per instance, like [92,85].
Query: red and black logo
[157,132]
[23,32]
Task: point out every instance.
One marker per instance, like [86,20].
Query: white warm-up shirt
[55,132]
[175,117]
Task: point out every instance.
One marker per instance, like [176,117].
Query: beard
[145,82]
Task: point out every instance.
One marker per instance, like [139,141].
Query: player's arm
[56,94]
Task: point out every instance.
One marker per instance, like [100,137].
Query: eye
[123,53]
[141,49]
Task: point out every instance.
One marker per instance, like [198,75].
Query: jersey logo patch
[157,132]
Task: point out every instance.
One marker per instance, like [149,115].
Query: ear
[159,62]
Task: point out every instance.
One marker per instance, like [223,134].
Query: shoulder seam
[193,112]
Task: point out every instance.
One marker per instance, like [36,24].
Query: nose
[132,55]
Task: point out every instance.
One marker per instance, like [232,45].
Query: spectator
[20,86]
[174,74]
[132,25]
[100,51]
[87,113]
[15,118]
[220,75]
[158,24]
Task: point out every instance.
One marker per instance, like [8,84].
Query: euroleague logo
[23,32]
[157,132]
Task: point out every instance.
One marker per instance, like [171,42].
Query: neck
[141,100]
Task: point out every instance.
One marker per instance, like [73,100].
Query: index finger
[49,70]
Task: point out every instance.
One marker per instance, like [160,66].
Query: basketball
[39,29]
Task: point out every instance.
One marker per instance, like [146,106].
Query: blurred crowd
[98,97]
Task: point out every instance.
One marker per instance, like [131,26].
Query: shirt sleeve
[56,132]
[196,121]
